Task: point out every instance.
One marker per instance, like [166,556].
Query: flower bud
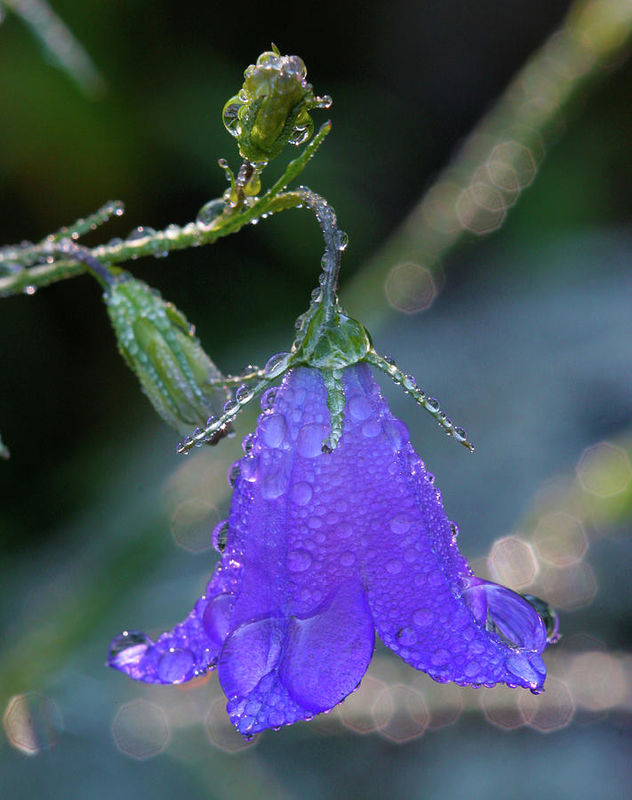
[272,107]
[160,346]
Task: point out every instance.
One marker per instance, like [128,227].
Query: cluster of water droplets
[276,366]
[430,404]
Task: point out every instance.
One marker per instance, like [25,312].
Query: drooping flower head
[336,530]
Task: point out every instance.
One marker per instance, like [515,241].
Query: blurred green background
[526,340]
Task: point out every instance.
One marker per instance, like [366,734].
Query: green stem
[154,243]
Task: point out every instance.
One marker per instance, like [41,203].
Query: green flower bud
[272,107]
[160,346]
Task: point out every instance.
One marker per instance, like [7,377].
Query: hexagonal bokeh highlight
[598,680]
[550,711]
[400,713]
[568,588]
[560,539]
[358,711]
[481,208]
[31,722]
[513,562]
[140,729]
[410,288]
[501,707]
[444,701]
[604,470]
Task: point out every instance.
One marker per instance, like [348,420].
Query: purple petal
[319,548]
[327,654]
[188,650]
[412,567]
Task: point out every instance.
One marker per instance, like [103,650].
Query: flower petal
[188,650]
[413,570]
[327,654]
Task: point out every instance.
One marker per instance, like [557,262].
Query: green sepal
[159,345]
[333,341]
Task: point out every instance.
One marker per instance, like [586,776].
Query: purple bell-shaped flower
[336,530]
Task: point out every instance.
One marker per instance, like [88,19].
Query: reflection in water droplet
[220,534]
[276,365]
[176,666]
[272,429]
[210,212]
[127,647]
[216,618]
[310,440]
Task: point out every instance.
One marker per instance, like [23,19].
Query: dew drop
[140,233]
[299,560]
[371,429]
[422,617]
[209,212]
[243,394]
[273,429]
[220,535]
[393,567]
[268,398]
[407,636]
[432,404]
[341,240]
[276,365]
[249,468]
[310,440]
[216,617]
[234,474]
[347,559]
[176,666]
[248,443]
[400,523]
[126,641]
[359,408]
[302,493]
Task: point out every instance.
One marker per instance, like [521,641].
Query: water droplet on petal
[299,560]
[272,429]
[268,398]
[310,440]
[400,523]
[176,666]
[423,617]
[220,533]
[407,636]
[216,617]
[302,493]
[359,408]
[128,647]
[347,559]
[393,566]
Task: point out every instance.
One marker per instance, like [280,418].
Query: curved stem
[335,242]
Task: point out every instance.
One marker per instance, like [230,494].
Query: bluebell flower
[336,531]
[323,549]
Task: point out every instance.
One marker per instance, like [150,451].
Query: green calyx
[160,346]
[332,341]
[272,108]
